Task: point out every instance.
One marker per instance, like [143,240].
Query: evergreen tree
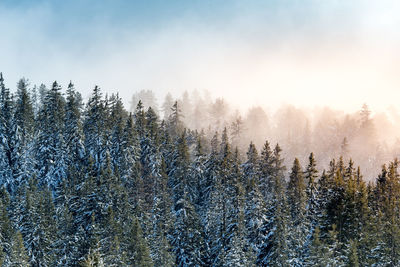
[310,176]
[353,257]
[162,222]
[187,239]
[93,128]
[93,259]
[275,250]
[266,168]
[296,194]
[117,121]
[318,255]
[255,209]
[24,134]
[24,115]
[9,154]
[138,250]
[6,230]
[51,164]
[73,134]
[66,246]
[211,169]
[37,225]
[18,256]
[175,124]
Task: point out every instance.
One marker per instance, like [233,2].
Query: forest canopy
[191,183]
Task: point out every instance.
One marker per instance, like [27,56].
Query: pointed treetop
[139,106]
[252,154]
[199,147]
[1,77]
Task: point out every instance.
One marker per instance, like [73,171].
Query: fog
[293,72]
[369,138]
[339,54]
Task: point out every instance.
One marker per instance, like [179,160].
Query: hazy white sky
[315,52]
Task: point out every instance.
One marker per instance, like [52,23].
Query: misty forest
[193,182]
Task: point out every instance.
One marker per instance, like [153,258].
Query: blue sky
[252,52]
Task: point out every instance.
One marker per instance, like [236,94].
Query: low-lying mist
[370,139]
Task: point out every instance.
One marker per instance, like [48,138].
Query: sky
[251,52]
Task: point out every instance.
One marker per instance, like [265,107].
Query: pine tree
[138,250]
[162,222]
[109,240]
[117,120]
[9,155]
[187,239]
[93,259]
[1,255]
[296,194]
[18,256]
[175,124]
[255,209]
[239,253]
[166,106]
[353,257]
[266,168]
[24,115]
[23,135]
[318,255]
[313,209]
[335,248]
[211,169]
[387,192]
[275,251]
[198,174]
[93,128]
[37,225]
[73,135]
[150,160]
[6,230]
[221,213]
[129,166]
[66,246]
[50,155]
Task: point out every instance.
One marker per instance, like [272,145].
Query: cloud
[251,52]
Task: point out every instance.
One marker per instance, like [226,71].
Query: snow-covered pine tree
[23,134]
[240,253]
[138,251]
[50,156]
[37,225]
[274,250]
[312,208]
[318,253]
[66,247]
[187,239]
[8,159]
[6,229]
[255,209]
[18,255]
[73,134]
[117,121]
[266,169]
[130,150]
[175,124]
[24,115]
[297,200]
[93,128]
[162,222]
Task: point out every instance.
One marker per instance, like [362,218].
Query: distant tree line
[369,138]
[90,184]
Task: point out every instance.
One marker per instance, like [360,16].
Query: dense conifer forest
[90,184]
